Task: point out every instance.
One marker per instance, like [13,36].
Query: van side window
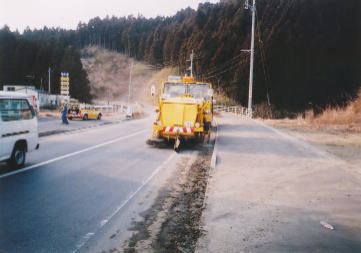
[15,109]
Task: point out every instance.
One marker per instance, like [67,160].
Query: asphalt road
[53,125]
[77,186]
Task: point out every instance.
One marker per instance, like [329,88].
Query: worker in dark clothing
[64,114]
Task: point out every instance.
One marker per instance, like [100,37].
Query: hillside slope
[109,75]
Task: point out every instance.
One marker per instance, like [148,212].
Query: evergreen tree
[79,83]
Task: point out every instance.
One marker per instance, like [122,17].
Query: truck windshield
[174,89]
[179,89]
[198,90]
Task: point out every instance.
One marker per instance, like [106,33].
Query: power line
[222,72]
[224,65]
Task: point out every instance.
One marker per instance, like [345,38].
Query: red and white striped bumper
[180,130]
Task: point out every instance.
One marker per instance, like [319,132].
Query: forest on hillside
[307,51]
[26,62]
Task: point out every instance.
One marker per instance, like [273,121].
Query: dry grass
[347,119]
[222,99]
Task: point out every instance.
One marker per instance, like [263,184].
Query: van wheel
[85,117]
[17,159]
[99,117]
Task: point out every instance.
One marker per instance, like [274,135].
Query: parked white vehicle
[18,128]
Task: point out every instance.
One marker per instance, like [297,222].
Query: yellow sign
[64,83]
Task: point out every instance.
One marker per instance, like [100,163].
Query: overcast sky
[67,13]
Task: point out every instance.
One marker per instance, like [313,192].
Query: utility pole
[130,81]
[191,61]
[192,57]
[49,80]
[253,9]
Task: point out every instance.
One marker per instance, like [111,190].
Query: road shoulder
[269,193]
[346,145]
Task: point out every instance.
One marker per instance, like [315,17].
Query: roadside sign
[64,83]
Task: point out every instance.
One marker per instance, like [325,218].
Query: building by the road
[40,98]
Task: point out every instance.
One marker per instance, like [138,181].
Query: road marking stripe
[105,221]
[215,148]
[71,154]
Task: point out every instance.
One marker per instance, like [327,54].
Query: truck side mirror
[152,90]
[210,92]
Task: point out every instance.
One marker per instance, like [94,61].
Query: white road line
[89,235]
[214,154]
[71,154]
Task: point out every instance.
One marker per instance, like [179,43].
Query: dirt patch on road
[173,222]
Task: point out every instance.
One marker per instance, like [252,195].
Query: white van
[18,128]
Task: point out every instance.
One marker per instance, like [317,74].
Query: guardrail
[240,110]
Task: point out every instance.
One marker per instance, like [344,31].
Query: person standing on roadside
[64,114]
